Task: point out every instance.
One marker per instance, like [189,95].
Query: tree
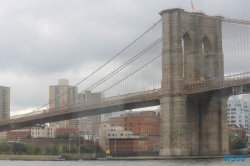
[18,148]
[76,136]
[74,149]
[60,149]
[5,147]
[28,137]
[64,136]
[32,149]
[236,143]
[51,150]
[85,149]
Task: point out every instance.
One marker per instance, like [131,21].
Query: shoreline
[56,158]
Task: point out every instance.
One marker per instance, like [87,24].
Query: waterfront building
[44,131]
[18,134]
[144,122]
[116,139]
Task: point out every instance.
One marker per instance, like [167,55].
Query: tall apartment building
[238,112]
[88,98]
[4,102]
[61,94]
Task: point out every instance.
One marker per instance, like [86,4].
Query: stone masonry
[192,125]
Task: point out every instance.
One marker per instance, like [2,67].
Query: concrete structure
[4,102]
[62,94]
[238,112]
[43,132]
[192,51]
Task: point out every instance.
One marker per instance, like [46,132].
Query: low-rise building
[63,131]
[3,135]
[17,134]
[145,122]
[43,132]
[141,144]
[116,139]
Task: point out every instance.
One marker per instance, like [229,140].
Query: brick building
[135,145]
[126,141]
[15,134]
[63,131]
[95,127]
[237,130]
[146,122]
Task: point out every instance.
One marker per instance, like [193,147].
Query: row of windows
[38,133]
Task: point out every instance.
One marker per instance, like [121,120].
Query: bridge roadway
[149,98]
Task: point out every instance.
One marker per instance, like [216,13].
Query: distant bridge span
[149,98]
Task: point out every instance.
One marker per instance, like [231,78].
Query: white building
[238,112]
[43,132]
[3,135]
[107,132]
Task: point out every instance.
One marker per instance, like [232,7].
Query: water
[190,162]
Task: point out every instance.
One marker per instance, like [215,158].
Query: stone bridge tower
[191,125]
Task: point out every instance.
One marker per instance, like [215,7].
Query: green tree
[51,150]
[18,148]
[60,149]
[64,136]
[236,143]
[28,137]
[74,149]
[85,149]
[76,136]
[5,147]
[32,149]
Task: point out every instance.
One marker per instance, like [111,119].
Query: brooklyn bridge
[189,63]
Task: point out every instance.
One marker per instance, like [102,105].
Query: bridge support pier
[193,126]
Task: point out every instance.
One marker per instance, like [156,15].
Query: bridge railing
[75,107]
[217,83]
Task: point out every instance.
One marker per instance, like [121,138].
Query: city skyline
[41,44]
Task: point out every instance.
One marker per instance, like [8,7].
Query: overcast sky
[43,41]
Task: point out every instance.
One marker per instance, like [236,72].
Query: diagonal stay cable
[102,65]
[132,73]
[119,68]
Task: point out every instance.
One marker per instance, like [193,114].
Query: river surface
[186,162]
